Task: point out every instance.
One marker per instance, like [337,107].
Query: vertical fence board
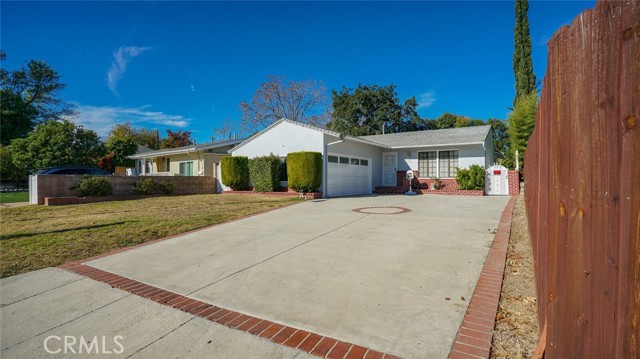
[582,186]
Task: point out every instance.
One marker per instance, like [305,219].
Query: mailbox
[409,175]
[410,178]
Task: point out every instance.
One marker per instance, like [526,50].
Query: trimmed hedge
[235,172]
[95,186]
[264,173]
[304,171]
[472,178]
[149,186]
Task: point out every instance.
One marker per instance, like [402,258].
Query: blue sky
[188,65]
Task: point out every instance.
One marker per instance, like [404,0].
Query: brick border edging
[312,343]
[292,194]
[473,340]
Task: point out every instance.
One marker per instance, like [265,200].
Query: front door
[389,167]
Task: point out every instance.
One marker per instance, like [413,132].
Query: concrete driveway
[396,283]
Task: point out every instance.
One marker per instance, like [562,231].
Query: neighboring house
[193,160]
[359,165]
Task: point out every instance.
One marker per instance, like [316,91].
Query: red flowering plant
[106,163]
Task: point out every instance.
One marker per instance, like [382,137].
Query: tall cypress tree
[522,63]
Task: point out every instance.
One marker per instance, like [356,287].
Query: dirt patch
[516,330]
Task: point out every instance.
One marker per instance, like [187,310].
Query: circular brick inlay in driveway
[382,210]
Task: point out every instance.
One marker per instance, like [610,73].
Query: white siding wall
[467,155]
[488,145]
[281,140]
[360,150]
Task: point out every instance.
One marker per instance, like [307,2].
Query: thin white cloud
[426,100]
[102,118]
[121,57]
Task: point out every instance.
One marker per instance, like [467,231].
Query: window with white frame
[442,164]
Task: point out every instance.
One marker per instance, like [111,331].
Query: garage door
[348,175]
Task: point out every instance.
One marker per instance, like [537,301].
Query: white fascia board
[438,145]
[359,140]
[154,154]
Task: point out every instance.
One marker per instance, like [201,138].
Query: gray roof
[449,136]
[187,149]
[143,149]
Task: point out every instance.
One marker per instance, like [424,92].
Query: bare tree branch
[303,101]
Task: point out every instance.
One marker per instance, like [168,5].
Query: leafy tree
[302,101]
[522,62]
[56,143]
[28,96]
[8,169]
[366,109]
[106,163]
[446,120]
[420,124]
[449,120]
[120,148]
[141,135]
[521,122]
[177,139]
[500,135]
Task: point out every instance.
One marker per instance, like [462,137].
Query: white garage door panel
[348,179]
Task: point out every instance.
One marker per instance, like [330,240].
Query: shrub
[95,186]
[235,172]
[304,171]
[437,183]
[166,187]
[472,178]
[149,186]
[264,173]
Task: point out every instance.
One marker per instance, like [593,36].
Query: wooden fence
[582,186]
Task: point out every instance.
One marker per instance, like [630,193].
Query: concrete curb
[473,340]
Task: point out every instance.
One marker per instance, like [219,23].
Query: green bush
[149,186]
[264,173]
[166,187]
[95,186]
[472,178]
[235,172]
[304,171]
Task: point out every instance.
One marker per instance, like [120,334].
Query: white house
[357,165]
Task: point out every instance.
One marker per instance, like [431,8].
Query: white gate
[496,180]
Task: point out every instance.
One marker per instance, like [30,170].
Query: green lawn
[34,237]
[13,197]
